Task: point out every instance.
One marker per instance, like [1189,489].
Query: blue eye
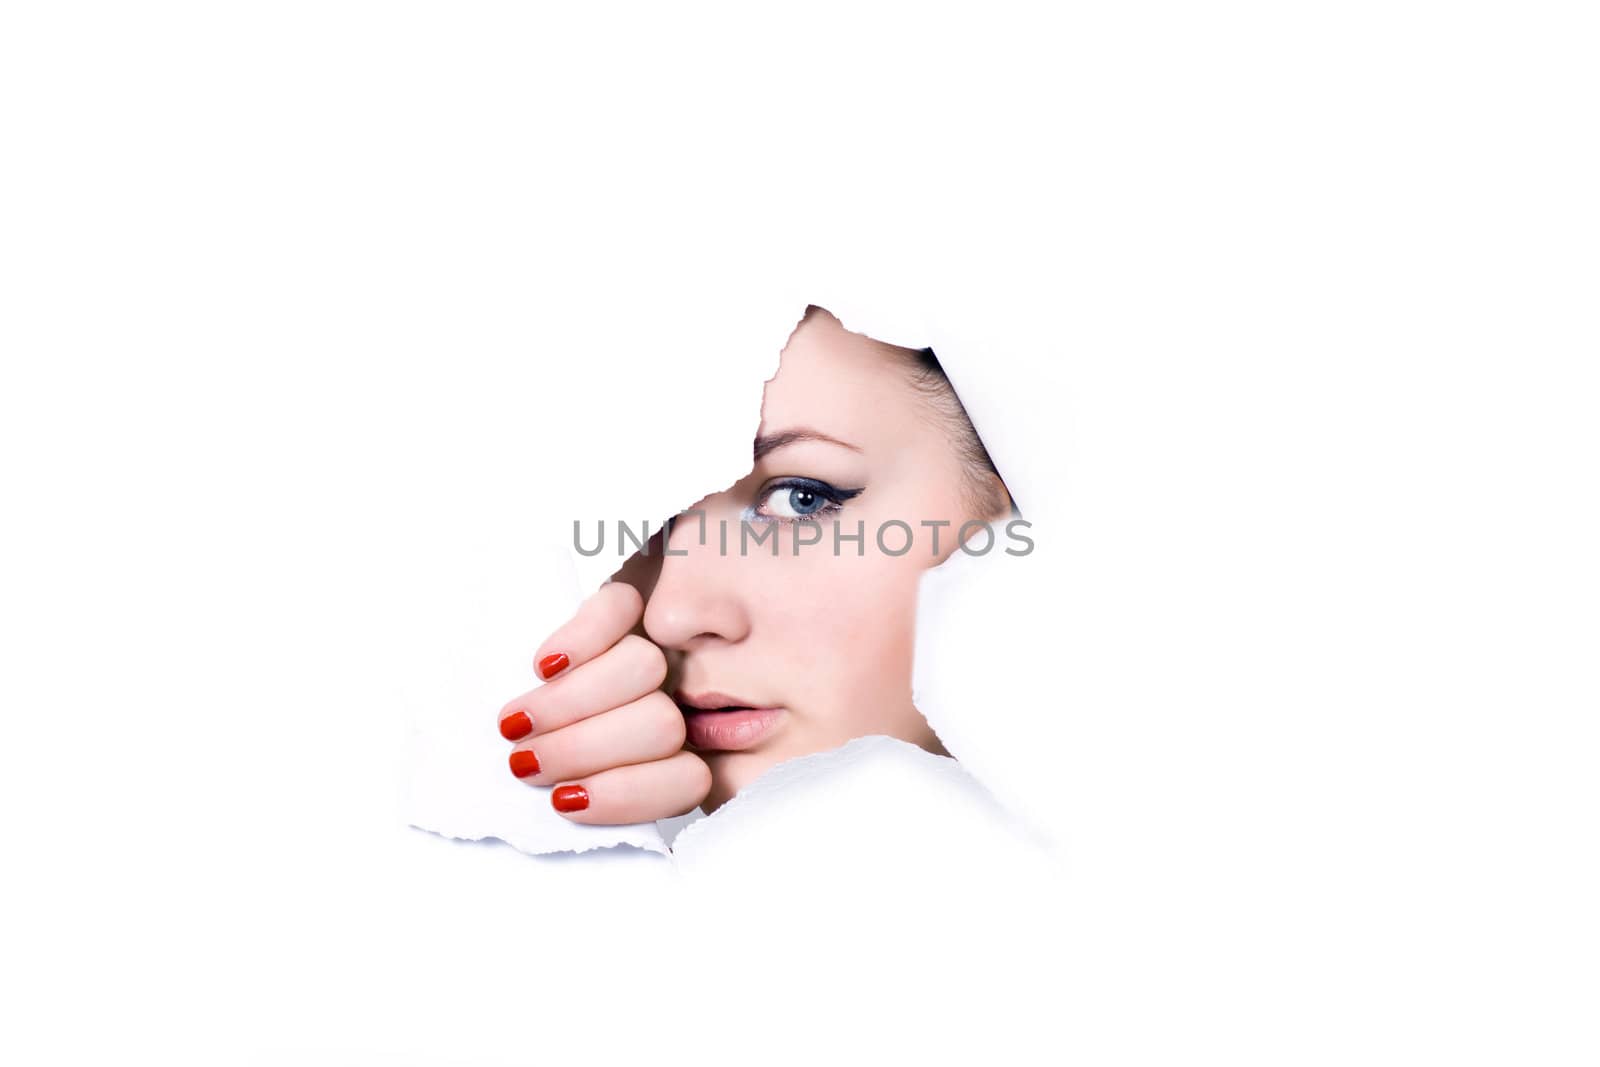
[801,502]
[799,498]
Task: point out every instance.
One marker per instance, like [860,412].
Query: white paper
[322,320]
[453,789]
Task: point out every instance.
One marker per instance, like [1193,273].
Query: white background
[305,311]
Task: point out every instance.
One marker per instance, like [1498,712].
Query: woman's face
[820,636]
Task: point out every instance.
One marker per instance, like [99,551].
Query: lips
[710,701]
[724,723]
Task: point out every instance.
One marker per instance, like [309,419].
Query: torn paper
[876,804]
[721,401]
[456,784]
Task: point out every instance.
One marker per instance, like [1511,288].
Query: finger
[642,569]
[649,728]
[599,622]
[623,673]
[638,793]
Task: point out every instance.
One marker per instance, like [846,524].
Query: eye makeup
[791,500]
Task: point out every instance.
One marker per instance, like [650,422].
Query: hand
[601,730]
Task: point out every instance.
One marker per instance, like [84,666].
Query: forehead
[840,383]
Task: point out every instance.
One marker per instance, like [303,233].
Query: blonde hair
[985,491]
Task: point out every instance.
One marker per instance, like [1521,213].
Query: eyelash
[834,498]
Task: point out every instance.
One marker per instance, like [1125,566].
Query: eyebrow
[773,442]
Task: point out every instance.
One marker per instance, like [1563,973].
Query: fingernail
[516,727]
[569,797]
[553,665]
[524,763]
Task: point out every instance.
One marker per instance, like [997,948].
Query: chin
[731,772]
[714,799]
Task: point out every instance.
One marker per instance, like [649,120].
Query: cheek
[845,636]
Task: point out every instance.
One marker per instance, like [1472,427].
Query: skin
[826,637]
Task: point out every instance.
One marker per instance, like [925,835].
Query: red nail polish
[524,763]
[516,726]
[569,798]
[553,665]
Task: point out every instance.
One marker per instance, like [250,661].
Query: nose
[698,598]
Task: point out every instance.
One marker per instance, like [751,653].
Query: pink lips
[719,722]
